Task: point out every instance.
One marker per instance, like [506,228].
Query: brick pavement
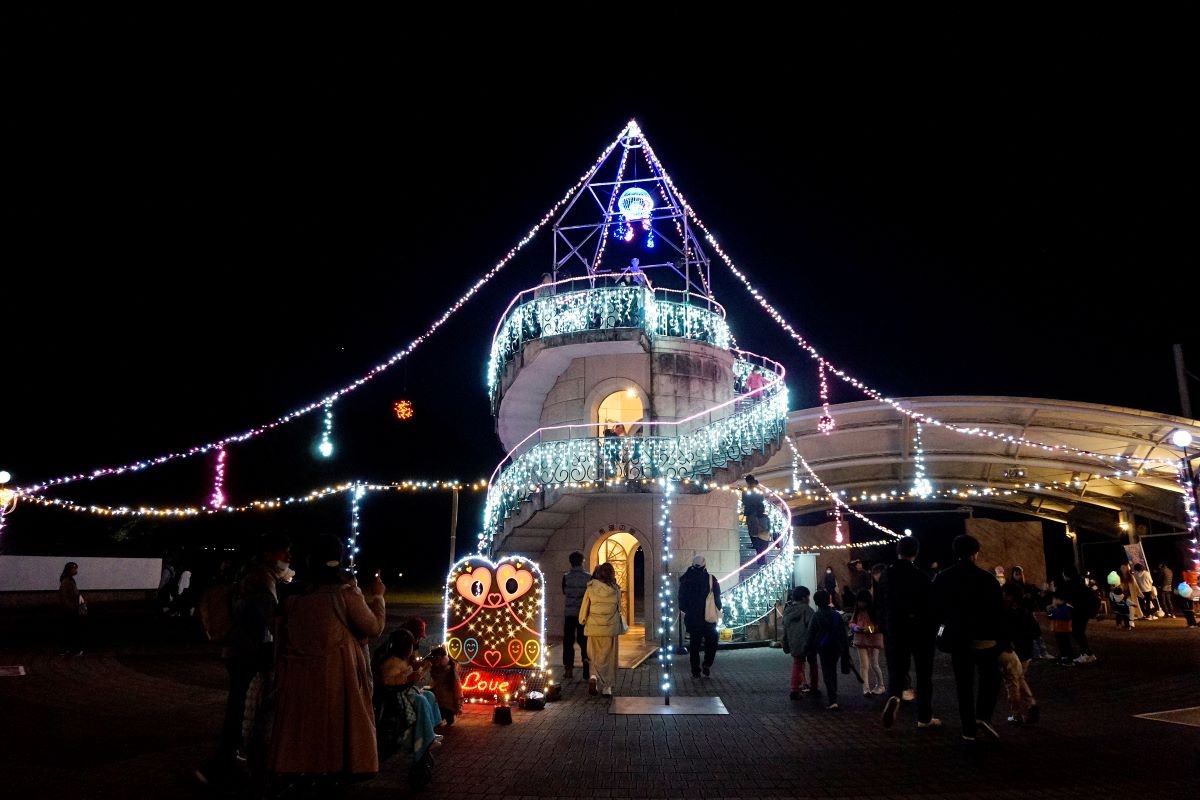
[132,721]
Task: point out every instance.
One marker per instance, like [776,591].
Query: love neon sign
[480,682]
[495,622]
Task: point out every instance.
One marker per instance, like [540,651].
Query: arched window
[621,408]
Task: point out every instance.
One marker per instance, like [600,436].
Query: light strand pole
[453,523]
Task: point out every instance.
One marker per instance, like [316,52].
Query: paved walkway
[134,719]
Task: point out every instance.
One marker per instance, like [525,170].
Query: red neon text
[476,681]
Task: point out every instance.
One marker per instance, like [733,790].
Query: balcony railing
[601,303]
[688,448]
[753,598]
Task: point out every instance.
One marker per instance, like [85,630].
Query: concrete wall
[1010,543]
[41,573]
[685,378]
[700,523]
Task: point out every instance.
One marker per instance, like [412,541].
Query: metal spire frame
[583,232]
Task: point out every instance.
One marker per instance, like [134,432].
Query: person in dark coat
[574,585]
[828,639]
[908,632]
[968,609]
[694,586]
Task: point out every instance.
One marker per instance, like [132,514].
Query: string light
[826,424]
[841,503]
[837,523]
[921,486]
[256,505]
[218,493]
[325,448]
[356,494]
[666,593]
[845,376]
[403,409]
[608,213]
[291,416]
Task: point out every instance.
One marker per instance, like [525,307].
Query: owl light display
[495,623]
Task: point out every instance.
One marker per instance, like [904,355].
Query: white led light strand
[356,493]
[838,501]
[135,466]
[921,486]
[256,505]
[666,594]
[325,448]
[218,493]
[862,387]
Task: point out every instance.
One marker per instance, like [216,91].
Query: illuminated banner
[495,622]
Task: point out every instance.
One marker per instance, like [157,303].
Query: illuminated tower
[617,374]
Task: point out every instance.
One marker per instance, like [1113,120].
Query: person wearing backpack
[247,646]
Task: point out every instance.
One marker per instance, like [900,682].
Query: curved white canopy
[871,453]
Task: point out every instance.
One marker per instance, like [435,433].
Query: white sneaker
[934,722]
[1081,659]
[1159,614]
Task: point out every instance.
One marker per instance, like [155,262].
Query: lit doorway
[621,549]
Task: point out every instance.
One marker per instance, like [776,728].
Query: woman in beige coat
[600,616]
[324,721]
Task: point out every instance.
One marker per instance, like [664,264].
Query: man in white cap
[699,617]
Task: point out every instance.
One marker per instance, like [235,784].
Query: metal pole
[1185,402]
[453,524]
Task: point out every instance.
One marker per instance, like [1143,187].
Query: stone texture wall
[690,377]
[1007,543]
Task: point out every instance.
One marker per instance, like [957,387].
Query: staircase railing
[753,597]
[687,448]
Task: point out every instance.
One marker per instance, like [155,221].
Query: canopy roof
[871,454]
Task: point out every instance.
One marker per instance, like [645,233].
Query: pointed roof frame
[585,242]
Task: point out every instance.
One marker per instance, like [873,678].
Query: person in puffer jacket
[600,615]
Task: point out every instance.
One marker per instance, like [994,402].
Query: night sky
[200,238]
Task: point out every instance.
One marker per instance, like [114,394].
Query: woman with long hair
[600,616]
[869,641]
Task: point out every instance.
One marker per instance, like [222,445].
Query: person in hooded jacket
[797,616]
[694,588]
[600,616]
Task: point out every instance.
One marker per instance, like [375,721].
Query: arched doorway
[622,408]
[622,550]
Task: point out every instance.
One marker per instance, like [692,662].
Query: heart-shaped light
[474,585]
[491,657]
[513,582]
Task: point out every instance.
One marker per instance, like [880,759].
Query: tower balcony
[594,311]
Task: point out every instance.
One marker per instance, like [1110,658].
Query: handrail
[633,457]
[624,303]
[773,385]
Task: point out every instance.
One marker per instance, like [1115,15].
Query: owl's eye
[476,588]
[511,586]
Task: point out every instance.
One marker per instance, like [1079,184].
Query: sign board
[495,623]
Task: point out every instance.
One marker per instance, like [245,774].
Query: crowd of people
[310,708]
[982,619]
